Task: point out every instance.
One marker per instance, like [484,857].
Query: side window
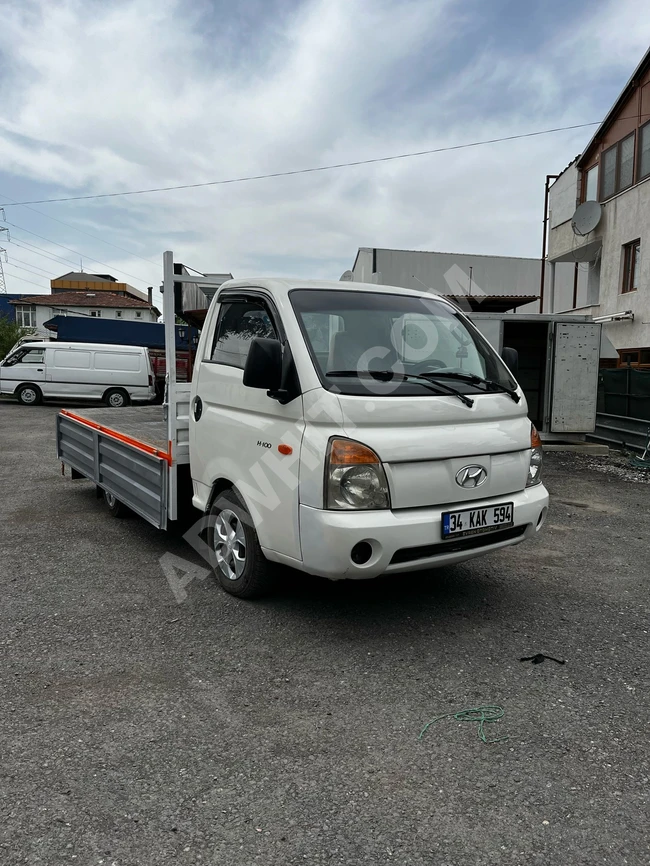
[33,356]
[239,322]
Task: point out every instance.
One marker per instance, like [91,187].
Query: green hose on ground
[482,715]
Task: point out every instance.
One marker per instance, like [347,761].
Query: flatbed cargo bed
[132,453]
[143,424]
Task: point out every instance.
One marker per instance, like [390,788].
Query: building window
[591,184]
[644,151]
[26,316]
[96,314]
[138,314]
[631,256]
[634,357]
[118,314]
[618,167]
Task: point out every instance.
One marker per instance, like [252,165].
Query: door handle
[39,369]
[197,408]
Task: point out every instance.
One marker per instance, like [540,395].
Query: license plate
[475,521]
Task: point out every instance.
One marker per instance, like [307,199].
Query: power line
[28,270]
[306,170]
[16,277]
[30,265]
[32,248]
[63,246]
[81,231]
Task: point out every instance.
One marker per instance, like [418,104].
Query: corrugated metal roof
[81,277]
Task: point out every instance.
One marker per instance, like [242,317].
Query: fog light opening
[361,553]
[542,519]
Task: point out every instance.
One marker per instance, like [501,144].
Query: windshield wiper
[387,375]
[490,384]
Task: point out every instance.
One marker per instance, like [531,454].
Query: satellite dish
[346,277]
[586,218]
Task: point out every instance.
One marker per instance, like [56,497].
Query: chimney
[150,296]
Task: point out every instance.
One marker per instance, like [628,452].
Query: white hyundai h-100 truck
[346,430]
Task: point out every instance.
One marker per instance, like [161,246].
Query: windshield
[360,333]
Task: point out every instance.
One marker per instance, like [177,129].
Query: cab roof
[284,285]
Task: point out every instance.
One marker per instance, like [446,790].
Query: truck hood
[424,442]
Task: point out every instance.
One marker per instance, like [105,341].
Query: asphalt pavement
[137,730]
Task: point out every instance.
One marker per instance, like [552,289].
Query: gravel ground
[136,730]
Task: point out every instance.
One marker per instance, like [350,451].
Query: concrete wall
[628,218]
[563,197]
[625,218]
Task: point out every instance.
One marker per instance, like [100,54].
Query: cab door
[235,431]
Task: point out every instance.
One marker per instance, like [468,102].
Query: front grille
[426,551]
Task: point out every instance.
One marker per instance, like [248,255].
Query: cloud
[104,97]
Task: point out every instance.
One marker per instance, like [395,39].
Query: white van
[117,375]
[345,430]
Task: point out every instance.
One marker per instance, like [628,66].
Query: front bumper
[327,537]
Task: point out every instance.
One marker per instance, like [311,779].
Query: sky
[103,97]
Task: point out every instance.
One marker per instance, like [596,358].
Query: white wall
[628,218]
[625,218]
[563,197]
[128,314]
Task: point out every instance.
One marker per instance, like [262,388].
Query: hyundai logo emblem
[471,476]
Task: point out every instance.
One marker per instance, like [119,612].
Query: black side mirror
[263,368]
[510,358]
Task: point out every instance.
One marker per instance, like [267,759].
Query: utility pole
[3,252]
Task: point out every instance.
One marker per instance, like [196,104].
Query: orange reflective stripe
[121,437]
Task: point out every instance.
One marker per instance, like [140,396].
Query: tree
[10,333]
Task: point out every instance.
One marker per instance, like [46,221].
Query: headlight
[354,477]
[536,459]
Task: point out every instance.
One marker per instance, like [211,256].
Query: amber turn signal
[345,452]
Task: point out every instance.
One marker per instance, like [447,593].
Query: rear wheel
[116,398]
[117,508]
[238,562]
[29,395]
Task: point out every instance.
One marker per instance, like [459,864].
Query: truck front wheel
[237,559]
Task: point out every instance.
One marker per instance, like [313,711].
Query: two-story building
[79,281]
[612,250]
[80,294]
[32,311]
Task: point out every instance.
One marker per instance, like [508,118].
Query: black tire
[29,395]
[116,398]
[257,574]
[118,509]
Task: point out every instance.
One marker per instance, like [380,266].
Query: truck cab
[351,430]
